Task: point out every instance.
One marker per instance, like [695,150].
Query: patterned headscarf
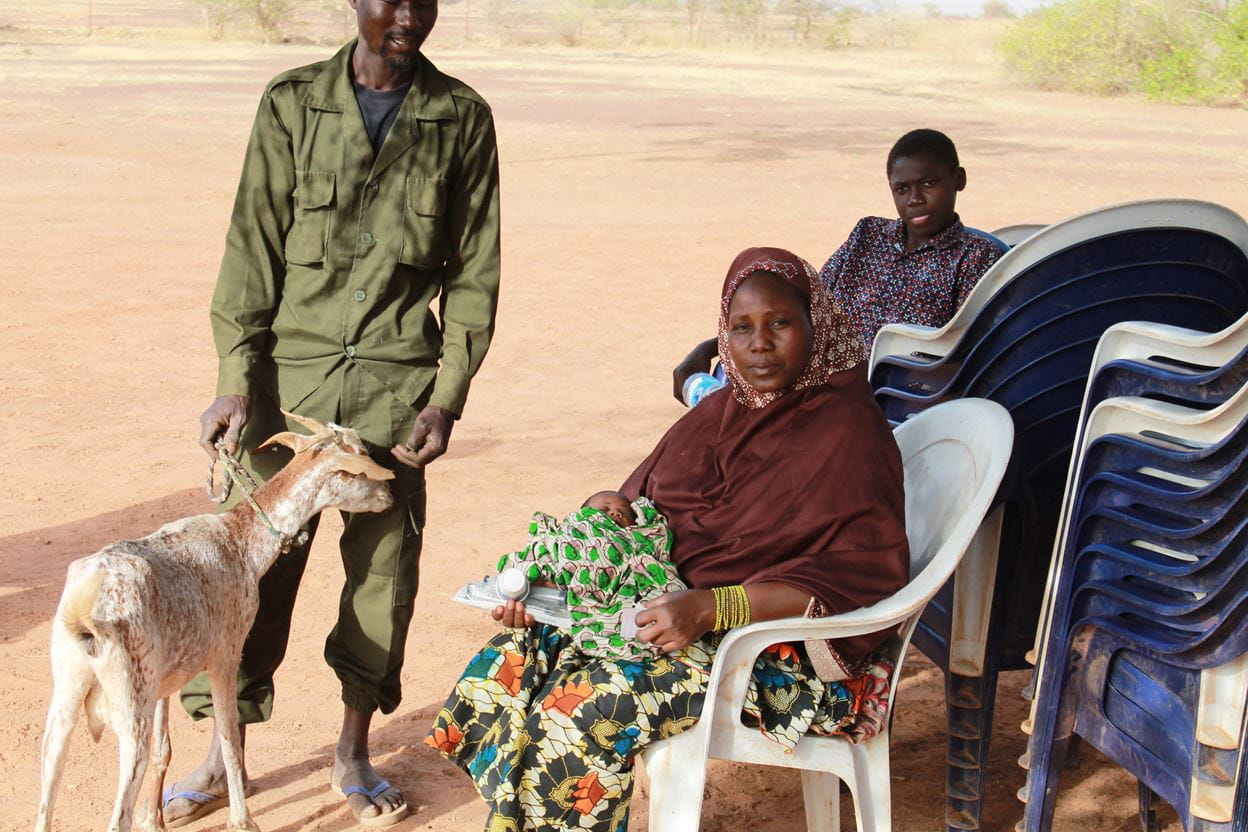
[834,346]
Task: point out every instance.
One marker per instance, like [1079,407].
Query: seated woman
[765,527]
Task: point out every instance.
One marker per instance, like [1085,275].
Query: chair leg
[1051,735]
[821,794]
[970,702]
[975,641]
[1074,750]
[1148,809]
[677,771]
[872,786]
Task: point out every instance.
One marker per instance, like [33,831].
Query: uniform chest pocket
[424,223]
[308,239]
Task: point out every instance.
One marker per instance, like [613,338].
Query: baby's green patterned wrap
[604,569]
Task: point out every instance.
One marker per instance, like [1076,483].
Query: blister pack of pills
[547,604]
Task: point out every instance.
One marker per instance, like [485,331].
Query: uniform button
[366,238]
[359,295]
[351,350]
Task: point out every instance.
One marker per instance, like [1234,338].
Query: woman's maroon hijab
[801,487]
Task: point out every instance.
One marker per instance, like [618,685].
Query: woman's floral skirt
[549,734]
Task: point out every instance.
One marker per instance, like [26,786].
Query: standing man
[369,188]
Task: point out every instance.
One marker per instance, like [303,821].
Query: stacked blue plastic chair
[1028,348]
[1146,632]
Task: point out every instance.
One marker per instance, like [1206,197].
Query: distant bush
[1231,42]
[568,21]
[1175,76]
[1171,50]
[274,20]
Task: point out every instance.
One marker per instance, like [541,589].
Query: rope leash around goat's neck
[232,471]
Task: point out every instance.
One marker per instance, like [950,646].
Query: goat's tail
[76,616]
[79,603]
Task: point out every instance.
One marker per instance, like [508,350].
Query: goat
[139,618]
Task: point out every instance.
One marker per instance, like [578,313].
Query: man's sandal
[205,804]
[385,818]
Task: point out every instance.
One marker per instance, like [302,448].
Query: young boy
[919,268]
[916,269]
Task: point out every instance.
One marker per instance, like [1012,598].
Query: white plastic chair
[906,339]
[954,456]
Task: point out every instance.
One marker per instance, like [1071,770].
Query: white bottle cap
[512,584]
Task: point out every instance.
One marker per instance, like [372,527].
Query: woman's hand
[512,615]
[675,620]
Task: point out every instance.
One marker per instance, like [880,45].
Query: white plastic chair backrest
[1192,427]
[1012,235]
[1143,341]
[894,339]
[954,456]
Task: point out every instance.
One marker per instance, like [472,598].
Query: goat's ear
[358,464]
[308,422]
[295,441]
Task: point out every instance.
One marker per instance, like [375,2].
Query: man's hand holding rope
[224,421]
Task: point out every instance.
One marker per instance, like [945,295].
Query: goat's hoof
[245,826]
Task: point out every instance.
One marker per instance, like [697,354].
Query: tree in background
[996,9]
[746,18]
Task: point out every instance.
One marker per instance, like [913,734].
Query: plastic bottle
[698,386]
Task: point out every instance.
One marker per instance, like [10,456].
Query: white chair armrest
[904,339]
[734,661]
[917,331]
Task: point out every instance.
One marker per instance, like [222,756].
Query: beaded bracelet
[732,607]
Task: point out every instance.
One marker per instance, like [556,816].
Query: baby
[608,555]
[615,505]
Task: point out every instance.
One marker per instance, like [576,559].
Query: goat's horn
[359,464]
[297,442]
[317,428]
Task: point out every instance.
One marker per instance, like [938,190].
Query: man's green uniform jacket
[335,253]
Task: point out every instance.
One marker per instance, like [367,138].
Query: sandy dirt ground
[630,181]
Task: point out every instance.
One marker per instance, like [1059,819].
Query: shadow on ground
[32,564]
